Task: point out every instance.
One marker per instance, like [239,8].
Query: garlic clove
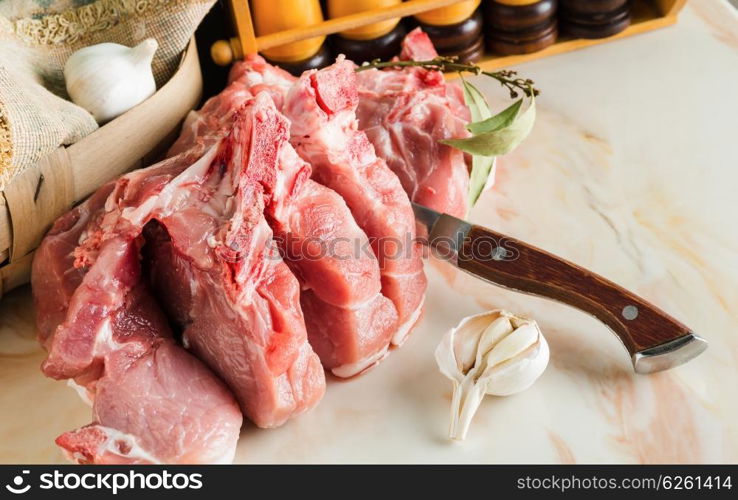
[494,353]
[466,346]
[495,334]
[510,343]
[468,334]
[519,374]
[465,402]
[446,359]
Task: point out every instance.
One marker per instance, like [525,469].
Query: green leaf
[492,135]
[475,101]
[481,165]
[481,168]
[501,120]
[498,141]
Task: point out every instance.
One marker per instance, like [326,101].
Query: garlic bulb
[494,353]
[108,79]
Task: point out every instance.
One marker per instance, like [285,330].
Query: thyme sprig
[508,78]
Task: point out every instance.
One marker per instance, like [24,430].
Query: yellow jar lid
[271,16]
[452,14]
[340,8]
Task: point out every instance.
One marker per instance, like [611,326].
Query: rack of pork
[222,281]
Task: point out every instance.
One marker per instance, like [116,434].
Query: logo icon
[17,487]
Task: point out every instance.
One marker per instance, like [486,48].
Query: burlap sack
[37,37]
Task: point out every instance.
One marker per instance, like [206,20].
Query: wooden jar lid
[595,25]
[472,53]
[592,6]
[520,29]
[385,47]
[464,40]
[455,36]
[511,18]
[321,59]
[522,42]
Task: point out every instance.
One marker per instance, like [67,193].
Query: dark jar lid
[592,6]
[470,54]
[321,59]
[516,17]
[522,42]
[455,37]
[384,47]
[595,25]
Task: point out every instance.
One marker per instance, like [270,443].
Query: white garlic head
[108,79]
[494,353]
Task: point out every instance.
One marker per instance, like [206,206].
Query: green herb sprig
[507,78]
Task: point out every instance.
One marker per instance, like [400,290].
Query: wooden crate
[39,195]
[647,15]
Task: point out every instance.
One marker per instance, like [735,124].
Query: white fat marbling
[631,170]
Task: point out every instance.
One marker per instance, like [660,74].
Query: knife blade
[655,340]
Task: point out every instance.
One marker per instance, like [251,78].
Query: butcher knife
[655,340]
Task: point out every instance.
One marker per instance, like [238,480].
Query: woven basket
[42,193]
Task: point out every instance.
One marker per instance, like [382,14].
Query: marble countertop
[631,171]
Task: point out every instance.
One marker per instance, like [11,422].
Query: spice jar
[380,40]
[519,26]
[455,30]
[594,18]
[278,15]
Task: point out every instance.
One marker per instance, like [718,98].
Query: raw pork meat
[247,78]
[349,322]
[202,234]
[215,267]
[321,106]
[404,112]
[161,407]
[222,279]
[100,326]
[258,75]
[211,122]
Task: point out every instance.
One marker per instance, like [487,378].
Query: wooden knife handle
[655,340]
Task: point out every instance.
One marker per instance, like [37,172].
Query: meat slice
[81,282]
[216,269]
[350,323]
[163,406]
[321,106]
[247,78]
[55,278]
[213,120]
[258,75]
[404,113]
[101,327]
[236,300]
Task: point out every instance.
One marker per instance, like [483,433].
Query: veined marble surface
[631,171]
